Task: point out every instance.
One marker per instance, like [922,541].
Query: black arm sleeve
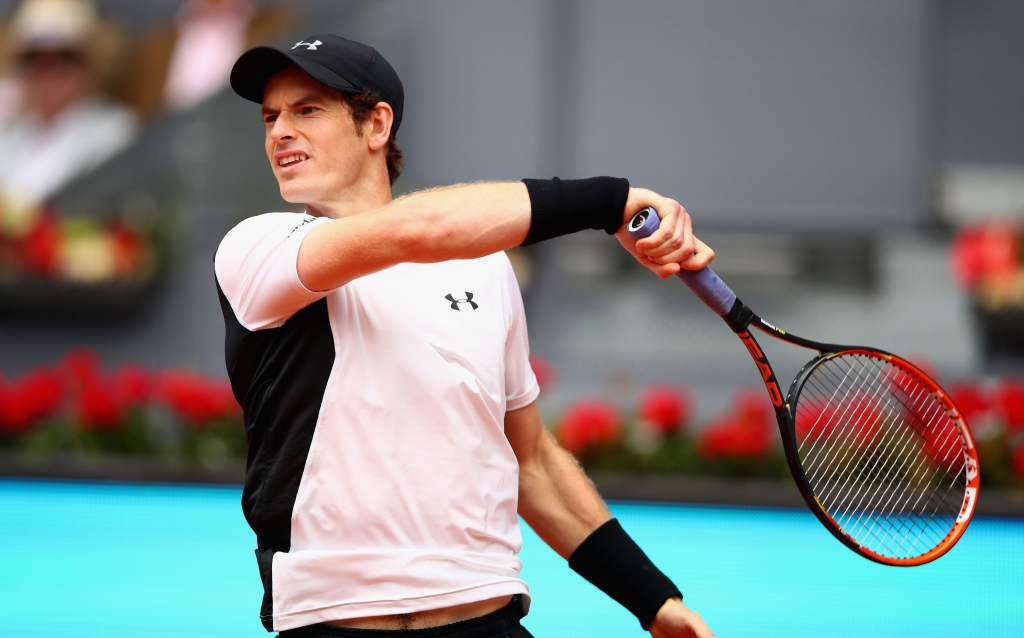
[616,565]
[561,207]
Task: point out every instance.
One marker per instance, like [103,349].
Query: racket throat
[739,317]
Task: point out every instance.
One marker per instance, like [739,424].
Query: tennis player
[379,350]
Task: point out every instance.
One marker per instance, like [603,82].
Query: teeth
[291,159]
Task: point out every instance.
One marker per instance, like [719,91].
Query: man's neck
[353,201]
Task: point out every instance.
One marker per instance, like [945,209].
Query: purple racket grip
[704,283]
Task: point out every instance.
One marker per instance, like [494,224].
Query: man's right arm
[468,221]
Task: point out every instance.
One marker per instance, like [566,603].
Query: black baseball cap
[329,59]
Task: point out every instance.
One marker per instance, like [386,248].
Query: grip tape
[704,283]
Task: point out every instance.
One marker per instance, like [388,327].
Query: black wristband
[563,206]
[616,565]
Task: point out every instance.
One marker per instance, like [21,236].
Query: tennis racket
[877,449]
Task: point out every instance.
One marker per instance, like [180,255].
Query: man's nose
[283,129]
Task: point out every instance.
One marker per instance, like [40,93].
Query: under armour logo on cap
[456,302]
[310,46]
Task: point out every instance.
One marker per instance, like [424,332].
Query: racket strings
[881,454]
[879,472]
[884,473]
[895,441]
[856,435]
[852,517]
[859,435]
[852,435]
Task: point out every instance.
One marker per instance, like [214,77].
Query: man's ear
[378,126]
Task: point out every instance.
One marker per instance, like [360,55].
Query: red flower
[855,420]
[814,420]
[745,433]
[754,408]
[716,440]
[732,438]
[41,389]
[543,370]
[942,444]
[972,401]
[589,422]
[14,413]
[100,402]
[94,400]
[224,398]
[131,385]
[39,248]
[988,250]
[98,408]
[196,399]
[35,396]
[1017,460]
[665,407]
[128,247]
[1010,403]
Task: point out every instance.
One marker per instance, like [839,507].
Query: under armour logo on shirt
[310,46]
[456,302]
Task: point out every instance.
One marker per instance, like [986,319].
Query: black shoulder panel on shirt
[279,377]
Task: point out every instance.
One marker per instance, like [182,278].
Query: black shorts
[503,623]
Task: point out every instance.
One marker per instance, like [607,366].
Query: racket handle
[704,283]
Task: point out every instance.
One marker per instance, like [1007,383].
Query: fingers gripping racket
[877,449]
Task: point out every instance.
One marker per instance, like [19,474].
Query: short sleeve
[521,388]
[256,266]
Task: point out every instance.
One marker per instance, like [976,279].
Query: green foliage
[995,456]
[677,454]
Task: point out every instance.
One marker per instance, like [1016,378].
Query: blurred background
[858,166]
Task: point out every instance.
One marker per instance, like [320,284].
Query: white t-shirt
[409,488]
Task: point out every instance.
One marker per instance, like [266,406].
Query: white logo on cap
[309,46]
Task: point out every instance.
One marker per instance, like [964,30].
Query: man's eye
[308,110]
[270,119]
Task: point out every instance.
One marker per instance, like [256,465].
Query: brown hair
[361,105]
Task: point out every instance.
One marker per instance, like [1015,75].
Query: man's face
[313,145]
[54,80]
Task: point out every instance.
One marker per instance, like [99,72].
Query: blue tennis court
[93,559]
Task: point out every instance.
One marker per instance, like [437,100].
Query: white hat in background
[54,24]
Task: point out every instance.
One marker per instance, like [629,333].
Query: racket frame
[710,289]
[740,318]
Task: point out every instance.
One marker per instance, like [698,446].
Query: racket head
[882,456]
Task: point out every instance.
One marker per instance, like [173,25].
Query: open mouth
[292,160]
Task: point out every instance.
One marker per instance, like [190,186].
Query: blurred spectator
[64,128]
[211,35]
[10,98]
[177,67]
[10,86]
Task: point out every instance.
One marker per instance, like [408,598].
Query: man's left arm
[560,503]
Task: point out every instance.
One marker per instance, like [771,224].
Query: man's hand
[676,620]
[673,245]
